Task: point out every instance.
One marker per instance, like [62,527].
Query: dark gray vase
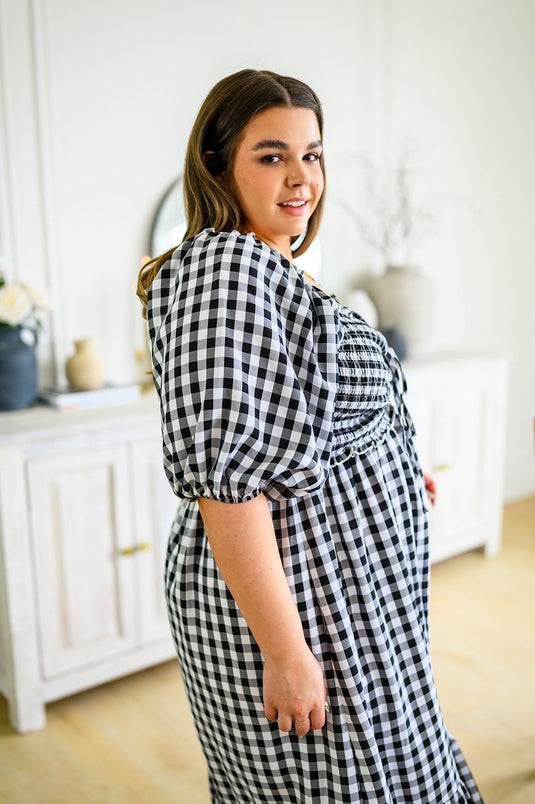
[18,370]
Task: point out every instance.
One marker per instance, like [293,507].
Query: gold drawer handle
[442,467]
[136,548]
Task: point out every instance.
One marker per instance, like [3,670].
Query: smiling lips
[294,206]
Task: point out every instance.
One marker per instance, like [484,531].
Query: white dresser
[85,513]
[458,404]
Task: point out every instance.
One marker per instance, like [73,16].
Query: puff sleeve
[243,367]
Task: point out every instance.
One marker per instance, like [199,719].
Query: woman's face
[276,176]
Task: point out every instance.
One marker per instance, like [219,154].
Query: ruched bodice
[369,387]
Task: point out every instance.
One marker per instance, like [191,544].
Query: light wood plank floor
[132,741]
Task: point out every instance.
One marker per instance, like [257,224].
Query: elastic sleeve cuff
[217,495]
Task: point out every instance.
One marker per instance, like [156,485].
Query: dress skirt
[363,603]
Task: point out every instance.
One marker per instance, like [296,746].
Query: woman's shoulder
[213,258]
[228,250]
[220,266]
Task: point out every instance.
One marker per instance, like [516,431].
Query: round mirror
[169,225]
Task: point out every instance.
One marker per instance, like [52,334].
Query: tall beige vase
[406,302]
[84,369]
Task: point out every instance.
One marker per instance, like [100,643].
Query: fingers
[270,711]
[317,718]
[302,726]
[285,721]
[300,722]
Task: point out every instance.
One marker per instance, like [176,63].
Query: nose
[298,175]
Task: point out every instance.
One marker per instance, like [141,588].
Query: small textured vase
[84,369]
[406,302]
[18,370]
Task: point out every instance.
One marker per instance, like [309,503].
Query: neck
[281,245]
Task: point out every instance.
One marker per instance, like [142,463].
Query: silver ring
[327,706]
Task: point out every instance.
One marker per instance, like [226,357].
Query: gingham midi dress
[267,384]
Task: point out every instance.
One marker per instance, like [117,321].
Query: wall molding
[29,226]
[7,227]
[48,186]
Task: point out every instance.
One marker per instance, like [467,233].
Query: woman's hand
[294,692]
[431,488]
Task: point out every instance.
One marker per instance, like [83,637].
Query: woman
[298,569]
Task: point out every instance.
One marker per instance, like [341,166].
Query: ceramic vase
[360,302]
[406,302]
[18,368]
[84,369]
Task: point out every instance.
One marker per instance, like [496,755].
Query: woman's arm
[243,543]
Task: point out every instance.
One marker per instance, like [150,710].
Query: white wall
[461,77]
[98,99]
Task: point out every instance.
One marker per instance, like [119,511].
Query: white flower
[20,304]
[15,305]
[39,297]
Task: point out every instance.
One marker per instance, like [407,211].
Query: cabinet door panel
[456,466]
[85,587]
[467,438]
[155,507]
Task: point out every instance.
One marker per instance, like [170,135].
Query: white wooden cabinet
[457,403]
[85,512]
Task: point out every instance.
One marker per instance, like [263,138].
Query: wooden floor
[132,741]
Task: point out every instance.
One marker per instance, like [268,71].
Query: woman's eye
[270,159]
[312,157]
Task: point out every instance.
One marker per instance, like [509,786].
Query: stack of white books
[65,398]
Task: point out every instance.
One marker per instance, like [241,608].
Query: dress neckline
[321,291]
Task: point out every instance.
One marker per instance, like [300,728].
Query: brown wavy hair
[212,145]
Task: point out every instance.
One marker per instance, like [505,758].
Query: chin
[299,228]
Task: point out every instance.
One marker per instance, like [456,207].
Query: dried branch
[396,222]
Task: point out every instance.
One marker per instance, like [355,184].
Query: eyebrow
[281,145]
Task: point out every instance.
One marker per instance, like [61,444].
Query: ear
[210,160]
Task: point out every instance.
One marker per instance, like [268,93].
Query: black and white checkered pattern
[269,385]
